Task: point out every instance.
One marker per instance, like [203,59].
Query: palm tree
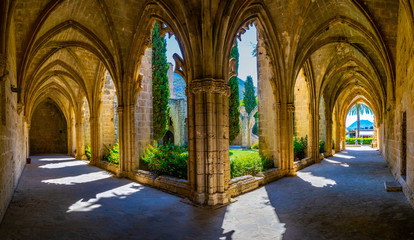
[358,109]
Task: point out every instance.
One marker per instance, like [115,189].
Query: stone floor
[341,198]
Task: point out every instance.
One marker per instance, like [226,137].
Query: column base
[291,172]
[210,199]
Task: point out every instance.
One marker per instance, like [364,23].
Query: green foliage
[111,154]
[255,145]
[249,97]
[359,108]
[168,159]
[248,163]
[234,102]
[365,141]
[88,152]
[299,147]
[321,146]
[255,129]
[160,87]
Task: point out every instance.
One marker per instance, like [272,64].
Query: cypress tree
[249,97]
[234,102]
[160,87]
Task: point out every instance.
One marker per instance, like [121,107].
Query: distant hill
[364,124]
[179,86]
[241,89]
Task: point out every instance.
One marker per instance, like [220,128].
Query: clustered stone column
[209,165]
[126,117]
[80,144]
[95,140]
[328,142]
[3,74]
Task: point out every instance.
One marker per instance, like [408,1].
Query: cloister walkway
[341,198]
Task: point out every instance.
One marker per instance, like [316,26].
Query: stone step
[392,186]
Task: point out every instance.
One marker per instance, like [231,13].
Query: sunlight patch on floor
[316,181]
[336,162]
[343,156]
[64,164]
[237,224]
[83,178]
[120,193]
[52,159]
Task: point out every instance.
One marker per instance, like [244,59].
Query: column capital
[210,85]
[120,109]
[291,107]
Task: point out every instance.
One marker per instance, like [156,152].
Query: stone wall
[171,79]
[108,112]
[143,108]
[13,131]
[301,107]
[178,115]
[391,129]
[48,132]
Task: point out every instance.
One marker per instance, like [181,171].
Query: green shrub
[366,141]
[321,146]
[255,145]
[248,163]
[299,147]
[111,154]
[168,159]
[88,152]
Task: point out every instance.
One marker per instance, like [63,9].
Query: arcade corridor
[343,197]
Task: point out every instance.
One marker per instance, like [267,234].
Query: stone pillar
[338,127]
[209,165]
[71,127]
[80,144]
[343,136]
[285,123]
[3,78]
[313,140]
[289,140]
[28,125]
[375,137]
[328,141]
[96,149]
[126,116]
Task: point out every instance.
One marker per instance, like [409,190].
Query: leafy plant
[160,84]
[111,154]
[167,159]
[88,152]
[249,96]
[248,163]
[321,146]
[299,147]
[255,145]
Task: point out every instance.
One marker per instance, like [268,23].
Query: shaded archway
[48,133]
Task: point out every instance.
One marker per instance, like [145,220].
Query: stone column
[28,125]
[3,78]
[284,113]
[289,140]
[375,137]
[71,127]
[328,141]
[209,165]
[80,144]
[96,149]
[313,140]
[343,136]
[338,127]
[126,116]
